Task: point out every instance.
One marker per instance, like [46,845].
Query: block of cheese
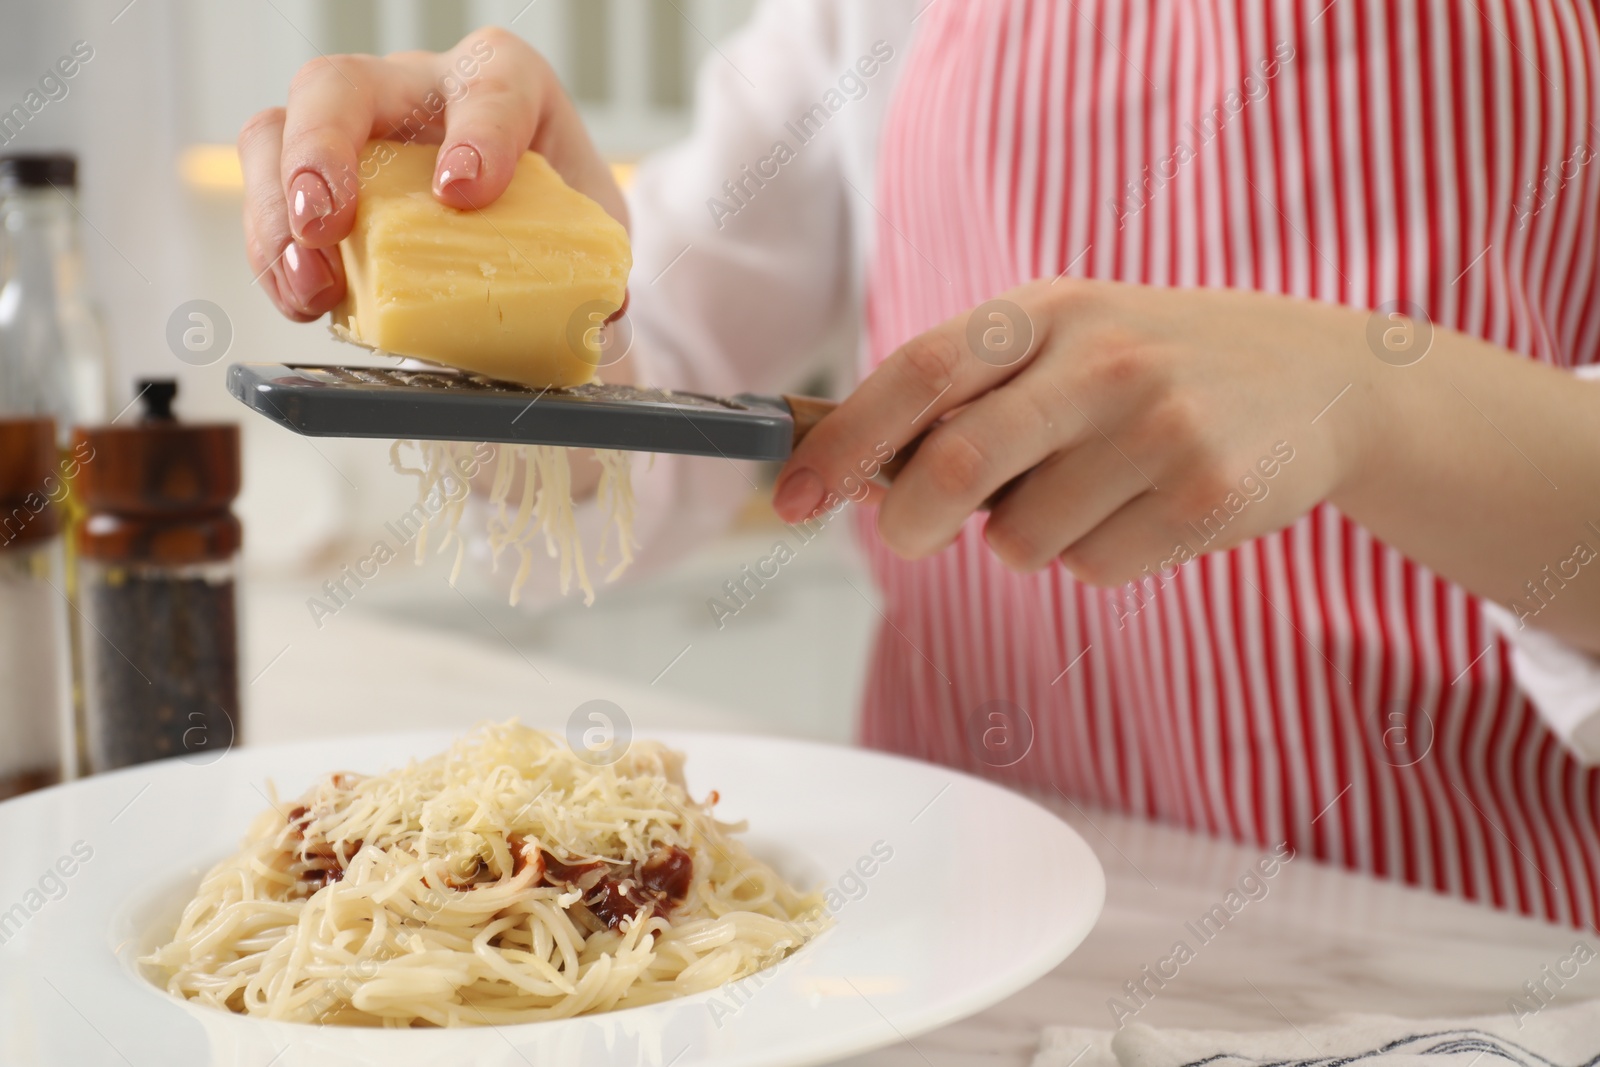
[515,290]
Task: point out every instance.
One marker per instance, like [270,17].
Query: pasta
[544,510]
[506,880]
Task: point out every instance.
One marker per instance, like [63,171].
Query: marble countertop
[1320,942]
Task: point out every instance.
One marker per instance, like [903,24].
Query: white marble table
[1320,943]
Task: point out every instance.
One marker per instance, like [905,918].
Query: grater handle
[807,411]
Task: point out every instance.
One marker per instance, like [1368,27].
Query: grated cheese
[544,511]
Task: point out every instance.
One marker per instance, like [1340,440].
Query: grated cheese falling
[616,496]
[544,510]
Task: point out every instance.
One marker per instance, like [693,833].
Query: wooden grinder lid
[159,491]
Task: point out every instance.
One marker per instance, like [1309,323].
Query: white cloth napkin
[1551,1037]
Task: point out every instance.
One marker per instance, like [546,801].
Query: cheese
[445,481]
[515,290]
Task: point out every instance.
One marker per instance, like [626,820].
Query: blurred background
[152,117]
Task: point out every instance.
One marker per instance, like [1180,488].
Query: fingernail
[460,164]
[308,274]
[798,495]
[309,203]
[621,311]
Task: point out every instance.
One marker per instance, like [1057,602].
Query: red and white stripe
[1386,160]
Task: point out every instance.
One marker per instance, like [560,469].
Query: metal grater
[446,405]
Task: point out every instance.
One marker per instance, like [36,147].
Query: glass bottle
[52,350]
[158,561]
[35,730]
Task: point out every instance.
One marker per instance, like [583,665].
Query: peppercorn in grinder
[158,560]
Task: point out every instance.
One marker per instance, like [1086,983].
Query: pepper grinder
[158,561]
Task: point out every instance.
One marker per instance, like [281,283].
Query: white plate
[984,892]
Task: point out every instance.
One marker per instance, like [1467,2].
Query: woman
[1264,320]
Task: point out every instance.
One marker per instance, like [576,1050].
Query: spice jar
[35,719]
[158,555]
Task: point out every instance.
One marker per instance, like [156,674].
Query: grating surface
[464,382]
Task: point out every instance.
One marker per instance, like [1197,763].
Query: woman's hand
[1129,428]
[484,102]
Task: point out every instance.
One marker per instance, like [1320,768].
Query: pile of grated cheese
[458,808]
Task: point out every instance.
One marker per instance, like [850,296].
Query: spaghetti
[506,880]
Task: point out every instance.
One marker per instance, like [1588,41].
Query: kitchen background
[153,116]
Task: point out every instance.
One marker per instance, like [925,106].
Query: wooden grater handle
[807,411]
